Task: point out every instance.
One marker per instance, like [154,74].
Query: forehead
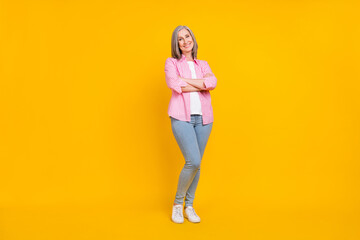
[183,32]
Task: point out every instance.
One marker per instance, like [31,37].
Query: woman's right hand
[208,75]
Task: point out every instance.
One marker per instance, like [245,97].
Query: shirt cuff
[181,84]
[207,83]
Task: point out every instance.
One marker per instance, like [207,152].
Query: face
[185,40]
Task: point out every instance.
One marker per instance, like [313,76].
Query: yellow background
[86,146]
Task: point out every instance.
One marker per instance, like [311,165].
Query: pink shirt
[179,106]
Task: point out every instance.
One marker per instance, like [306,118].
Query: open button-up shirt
[179,106]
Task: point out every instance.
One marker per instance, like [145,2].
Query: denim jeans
[192,138]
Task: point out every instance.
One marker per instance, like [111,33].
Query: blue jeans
[192,138]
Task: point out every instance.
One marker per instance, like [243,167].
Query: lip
[187,45]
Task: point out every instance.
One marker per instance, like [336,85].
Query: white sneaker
[177,214]
[191,214]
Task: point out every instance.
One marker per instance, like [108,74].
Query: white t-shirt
[195,104]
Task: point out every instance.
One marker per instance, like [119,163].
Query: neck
[188,56]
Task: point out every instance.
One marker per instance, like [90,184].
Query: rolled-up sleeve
[210,82]
[173,80]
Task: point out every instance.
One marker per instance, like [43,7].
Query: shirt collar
[183,58]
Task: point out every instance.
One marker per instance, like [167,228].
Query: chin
[184,51]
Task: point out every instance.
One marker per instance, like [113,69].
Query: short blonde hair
[175,49]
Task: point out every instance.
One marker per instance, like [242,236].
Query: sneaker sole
[176,222]
[189,219]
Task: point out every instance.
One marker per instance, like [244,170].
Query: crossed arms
[194,85]
[180,84]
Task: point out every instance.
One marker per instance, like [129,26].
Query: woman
[191,114]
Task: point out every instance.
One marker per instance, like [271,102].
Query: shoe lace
[178,211]
[193,213]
